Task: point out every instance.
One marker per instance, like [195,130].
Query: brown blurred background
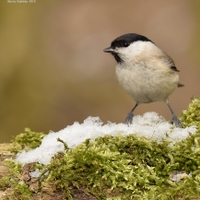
[54,70]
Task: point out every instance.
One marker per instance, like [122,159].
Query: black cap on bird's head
[123,42]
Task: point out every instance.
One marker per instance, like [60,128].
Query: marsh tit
[146,72]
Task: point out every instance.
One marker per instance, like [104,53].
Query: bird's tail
[180,84]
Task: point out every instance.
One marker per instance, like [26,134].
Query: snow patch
[149,125]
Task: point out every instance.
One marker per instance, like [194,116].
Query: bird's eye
[125,44]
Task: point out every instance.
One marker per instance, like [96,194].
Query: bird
[144,71]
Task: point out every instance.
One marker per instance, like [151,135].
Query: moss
[129,167]
[19,188]
[191,116]
[20,191]
[26,141]
[125,167]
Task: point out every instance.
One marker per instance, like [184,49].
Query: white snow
[149,125]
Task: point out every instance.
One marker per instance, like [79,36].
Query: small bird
[145,72]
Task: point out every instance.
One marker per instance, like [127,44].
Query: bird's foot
[129,118]
[175,121]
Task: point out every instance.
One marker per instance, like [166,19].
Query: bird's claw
[175,121]
[129,118]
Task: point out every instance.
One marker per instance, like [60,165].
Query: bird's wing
[170,63]
[172,66]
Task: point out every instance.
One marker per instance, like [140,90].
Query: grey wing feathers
[173,67]
[170,63]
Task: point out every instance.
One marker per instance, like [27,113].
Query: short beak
[109,50]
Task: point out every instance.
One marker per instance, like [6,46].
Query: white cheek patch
[136,48]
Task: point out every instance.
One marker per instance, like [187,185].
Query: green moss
[191,116]
[13,174]
[27,140]
[126,167]
[19,188]
[20,191]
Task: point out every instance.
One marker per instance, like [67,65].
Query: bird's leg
[130,115]
[175,119]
